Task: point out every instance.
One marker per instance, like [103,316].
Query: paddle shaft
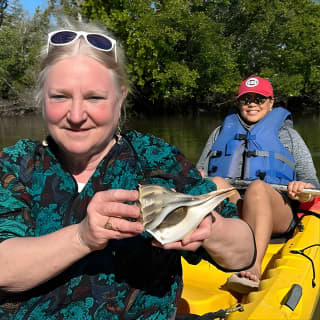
[243,184]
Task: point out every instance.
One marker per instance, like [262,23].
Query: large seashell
[169,216]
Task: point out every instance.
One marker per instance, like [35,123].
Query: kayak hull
[286,288]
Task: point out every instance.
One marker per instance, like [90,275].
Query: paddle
[243,184]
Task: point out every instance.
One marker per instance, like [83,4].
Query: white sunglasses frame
[84,35]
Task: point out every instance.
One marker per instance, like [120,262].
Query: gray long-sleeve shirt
[291,140]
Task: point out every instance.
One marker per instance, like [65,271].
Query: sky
[30,5]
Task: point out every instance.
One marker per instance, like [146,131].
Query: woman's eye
[57,96]
[96,98]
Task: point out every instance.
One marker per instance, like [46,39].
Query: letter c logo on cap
[252,82]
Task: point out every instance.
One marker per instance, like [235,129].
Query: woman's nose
[77,112]
[252,101]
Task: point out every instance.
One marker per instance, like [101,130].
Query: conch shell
[169,216]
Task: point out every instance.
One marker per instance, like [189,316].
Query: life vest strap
[215,154]
[269,173]
[245,136]
[278,156]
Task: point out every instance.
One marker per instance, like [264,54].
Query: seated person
[258,143]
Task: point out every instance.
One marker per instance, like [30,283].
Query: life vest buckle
[252,153]
[241,136]
[261,174]
[215,154]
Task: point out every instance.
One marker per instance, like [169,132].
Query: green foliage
[20,41]
[3,7]
[175,51]
[69,8]
[278,39]
[181,53]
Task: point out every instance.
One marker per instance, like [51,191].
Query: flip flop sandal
[241,284]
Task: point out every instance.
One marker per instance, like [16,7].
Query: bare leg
[223,184]
[266,212]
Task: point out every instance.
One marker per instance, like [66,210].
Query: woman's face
[252,108]
[82,106]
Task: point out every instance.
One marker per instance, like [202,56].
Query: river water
[189,133]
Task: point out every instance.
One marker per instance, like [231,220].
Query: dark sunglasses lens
[260,100]
[99,41]
[244,100]
[63,37]
[256,100]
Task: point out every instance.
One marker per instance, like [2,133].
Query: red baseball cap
[256,85]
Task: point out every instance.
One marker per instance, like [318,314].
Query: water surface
[189,133]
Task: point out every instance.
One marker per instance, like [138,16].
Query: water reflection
[15,128]
[188,133]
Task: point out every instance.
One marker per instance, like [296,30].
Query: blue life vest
[264,156]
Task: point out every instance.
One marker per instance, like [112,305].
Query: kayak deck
[283,275]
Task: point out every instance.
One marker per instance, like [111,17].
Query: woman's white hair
[50,56]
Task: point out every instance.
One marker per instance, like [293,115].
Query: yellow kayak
[289,288]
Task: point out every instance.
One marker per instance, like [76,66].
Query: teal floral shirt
[130,278]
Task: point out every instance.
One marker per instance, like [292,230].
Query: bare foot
[244,281]
[253,273]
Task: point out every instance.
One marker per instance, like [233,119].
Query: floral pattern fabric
[129,279]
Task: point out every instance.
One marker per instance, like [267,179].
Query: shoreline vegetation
[305,105]
[16,108]
[183,57]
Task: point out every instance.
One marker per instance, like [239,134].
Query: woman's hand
[202,173]
[295,188]
[108,217]
[229,242]
[193,241]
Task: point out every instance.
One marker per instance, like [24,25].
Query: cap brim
[257,92]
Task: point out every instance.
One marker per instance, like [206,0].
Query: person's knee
[257,191]
[221,183]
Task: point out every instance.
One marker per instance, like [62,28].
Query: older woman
[71,245]
[257,143]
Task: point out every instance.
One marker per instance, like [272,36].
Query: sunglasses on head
[257,99]
[96,40]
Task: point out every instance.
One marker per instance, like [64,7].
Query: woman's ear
[123,95]
[271,103]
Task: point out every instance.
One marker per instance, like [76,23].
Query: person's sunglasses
[96,40]
[256,99]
